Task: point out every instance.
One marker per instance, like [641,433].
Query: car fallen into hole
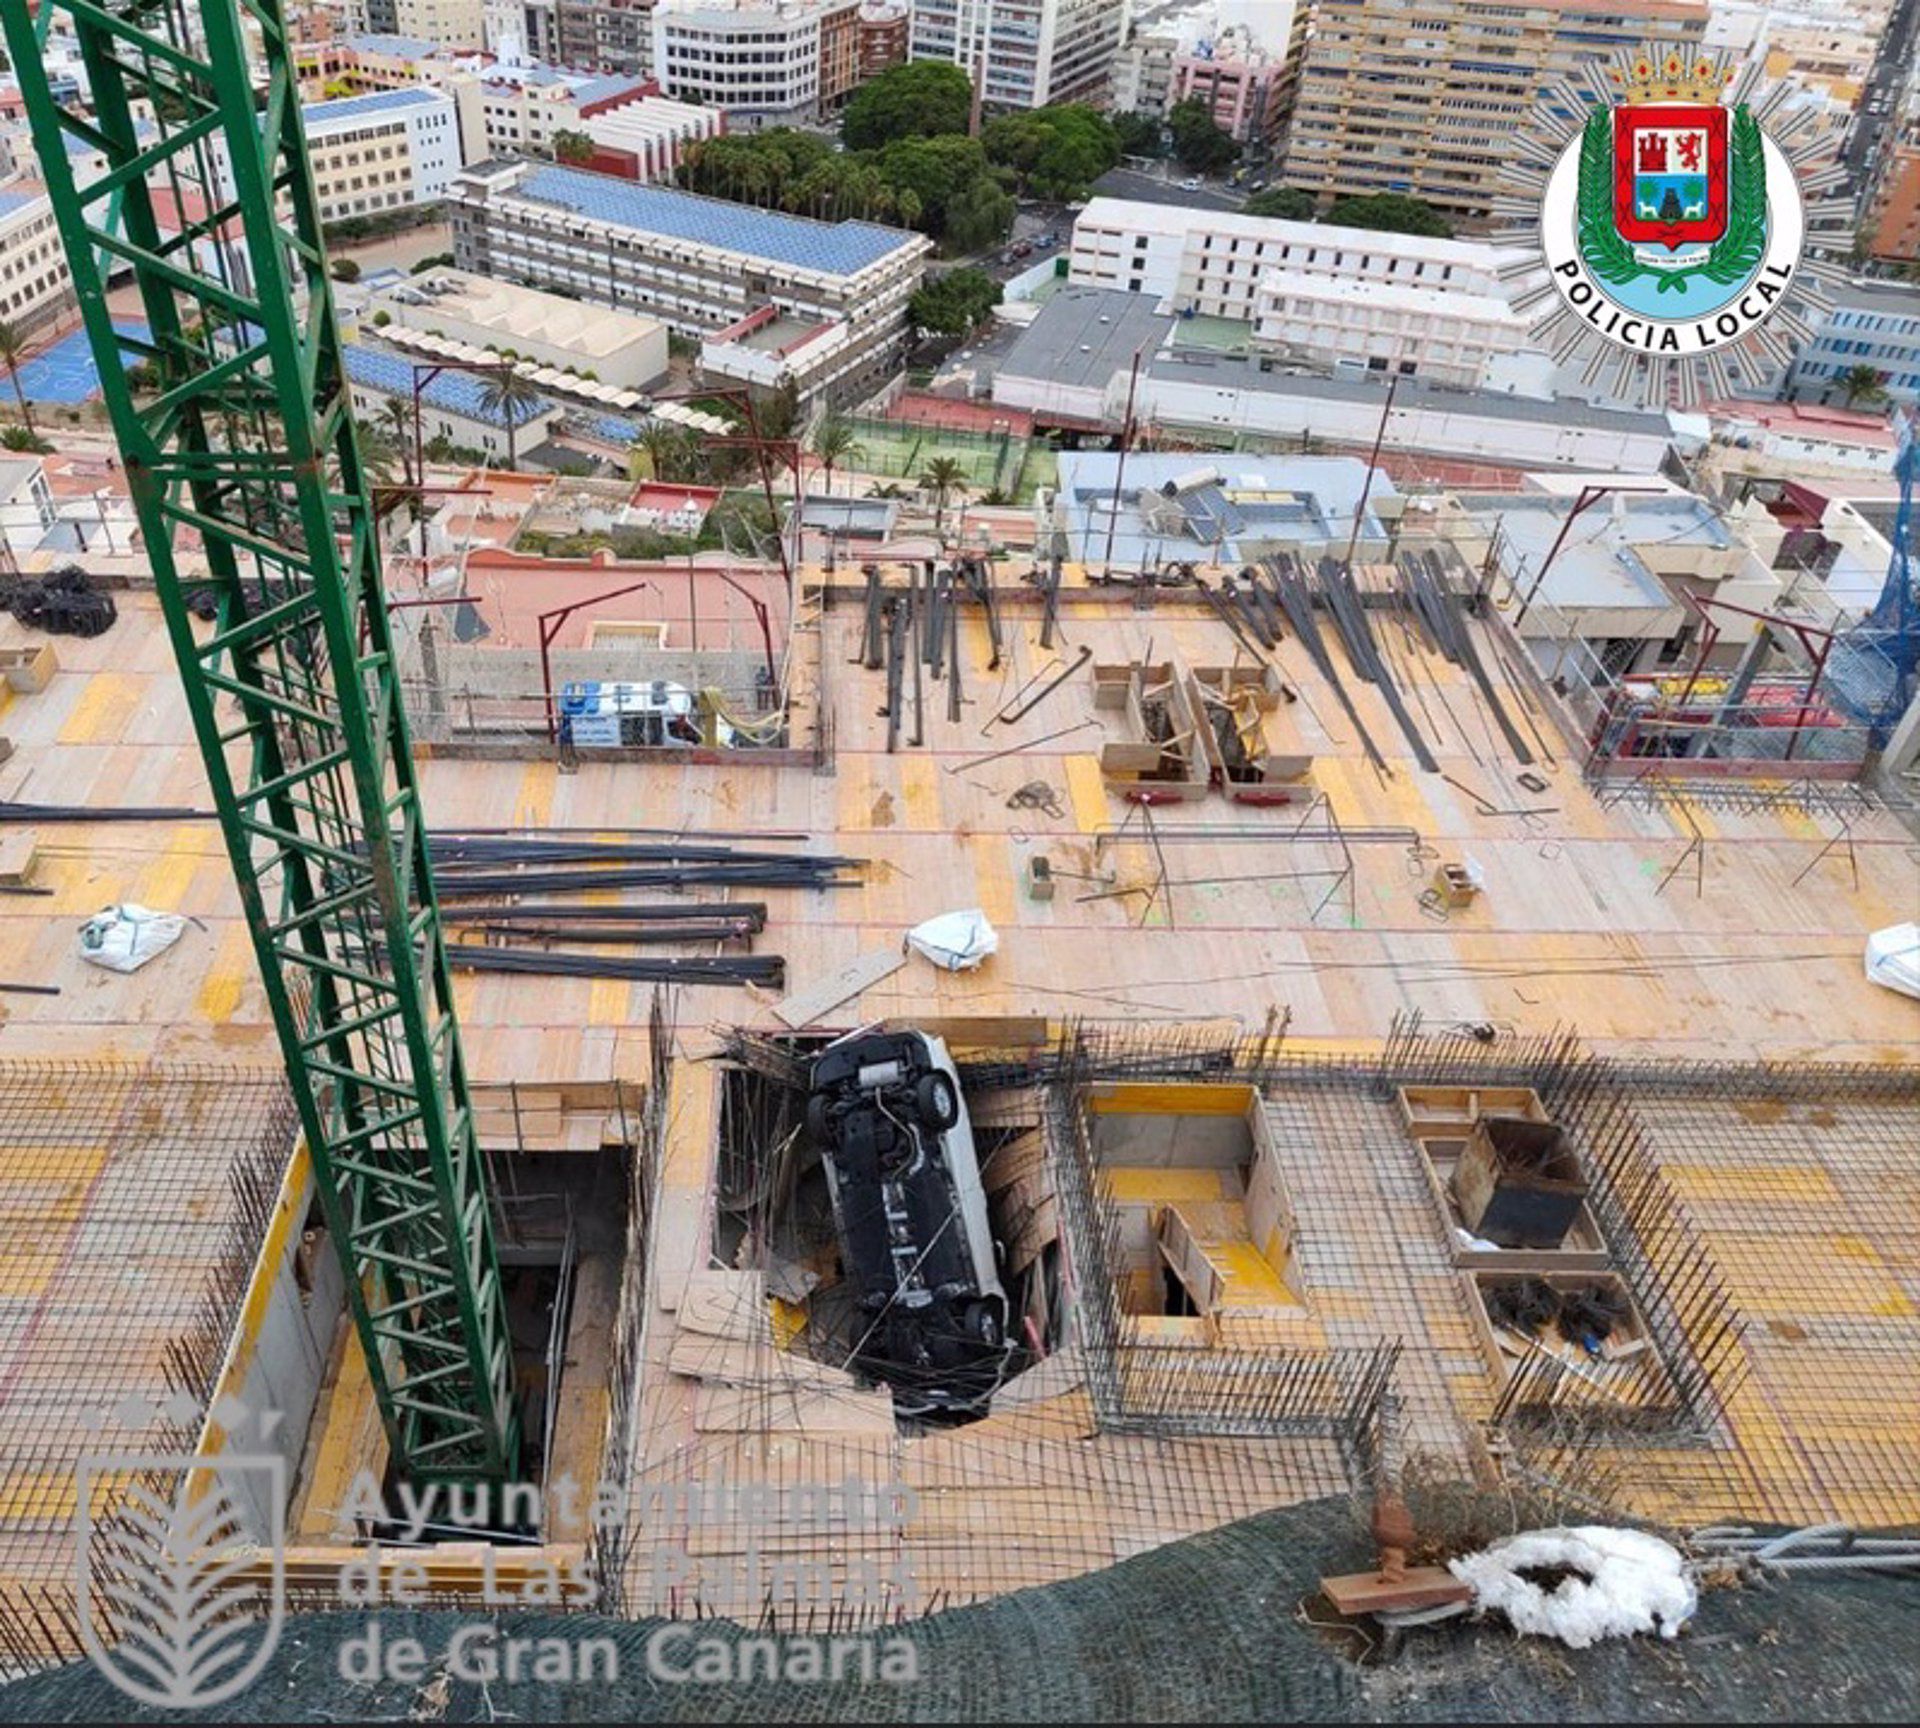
[886,1111]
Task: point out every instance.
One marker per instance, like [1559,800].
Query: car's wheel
[937,1102]
[983,1324]
[817,1127]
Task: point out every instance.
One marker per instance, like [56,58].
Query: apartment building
[778,297]
[1422,96]
[450,23]
[1874,324]
[1024,53]
[1892,215]
[1211,263]
[1248,87]
[1833,60]
[523,108]
[882,31]
[1142,78]
[764,62]
[35,283]
[593,35]
[1444,335]
[382,151]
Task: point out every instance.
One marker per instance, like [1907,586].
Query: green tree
[776,413]
[1288,202]
[943,477]
[953,304]
[978,217]
[921,99]
[666,453]
[1138,134]
[395,422]
[1861,383]
[13,349]
[1391,213]
[1054,152]
[379,451]
[936,171]
[345,269]
[834,442]
[1199,142]
[571,146]
[510,396]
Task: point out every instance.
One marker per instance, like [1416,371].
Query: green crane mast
[249,444]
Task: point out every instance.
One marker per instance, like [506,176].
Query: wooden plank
[17,849]
[804,1007]
[1375,1593]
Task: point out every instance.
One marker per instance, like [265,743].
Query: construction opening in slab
[917,1257]
[1203,1219]
[569,1184]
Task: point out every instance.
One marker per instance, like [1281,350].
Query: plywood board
[804,1007]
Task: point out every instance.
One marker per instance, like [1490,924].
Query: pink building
[1247,96]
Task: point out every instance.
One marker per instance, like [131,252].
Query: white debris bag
[1619,1583]
[124,938]
[1893,958]
[955,941]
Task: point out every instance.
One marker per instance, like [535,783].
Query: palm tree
[396,426]
[13,349]
[834,441]
[378,452]
[510,396]
[668,450]
[943,477]
[1864,381]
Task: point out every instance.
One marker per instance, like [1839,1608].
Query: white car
[1189,185]
[915,1240]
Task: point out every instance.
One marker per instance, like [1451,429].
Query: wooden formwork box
[1519,1181]
[1282,758]
[1140,760]
[1583,1250]
[1628,1368]
[29,670]
[1453,1110]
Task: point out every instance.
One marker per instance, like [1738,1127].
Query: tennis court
[65,373]
[999,461]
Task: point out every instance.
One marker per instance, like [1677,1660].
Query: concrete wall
[277,1358]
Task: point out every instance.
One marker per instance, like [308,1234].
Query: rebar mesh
[134,1200]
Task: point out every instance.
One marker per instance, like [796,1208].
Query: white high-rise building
[757,59]
[1024,53]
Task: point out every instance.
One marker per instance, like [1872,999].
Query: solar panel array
[452,392]
[403,47]
[377,102]
[833,248]
[1210,514]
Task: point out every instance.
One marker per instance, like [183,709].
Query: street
[1163,187]
[1878,99]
